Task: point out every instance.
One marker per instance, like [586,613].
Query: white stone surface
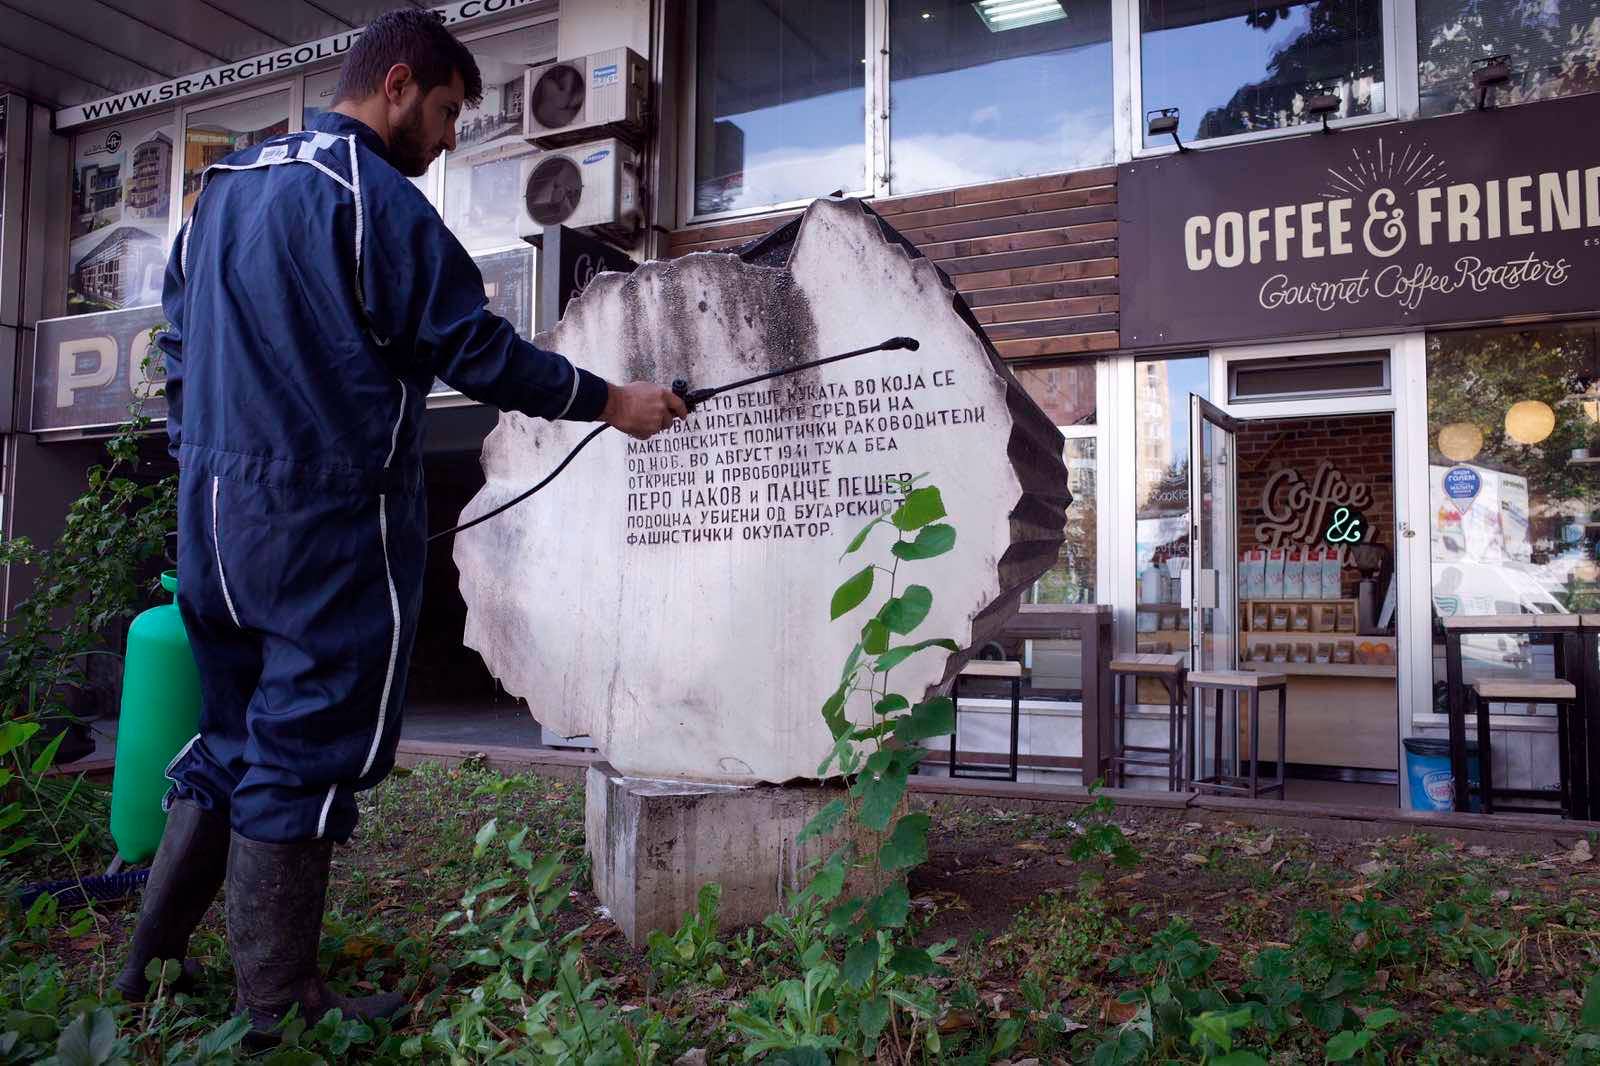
[709,661]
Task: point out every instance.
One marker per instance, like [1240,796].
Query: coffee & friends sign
[1466,218]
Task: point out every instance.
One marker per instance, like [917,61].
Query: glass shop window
[215,132]
[483,176]
[1514,470]
[997,89]
[1552,48]
[121,204]
[780,93]
[1161,497]
[1232,67]
[1067,394]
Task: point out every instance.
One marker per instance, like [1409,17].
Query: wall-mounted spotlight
[1163,122]
[1323,106]
[1488,74]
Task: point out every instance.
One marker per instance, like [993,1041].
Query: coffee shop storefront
[1358,393]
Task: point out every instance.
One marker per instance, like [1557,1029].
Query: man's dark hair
[416,38]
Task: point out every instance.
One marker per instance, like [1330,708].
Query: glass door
[1213,537]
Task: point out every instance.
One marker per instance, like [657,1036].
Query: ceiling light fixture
[1000,15]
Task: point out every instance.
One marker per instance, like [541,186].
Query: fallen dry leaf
[1279,864]
[697,1057]
[599,931]
[1580,852]
[1375,868]
[1031,845]
[1115,1012]
[1502,895]
[956,1020]
[1195,859]
[1261,847]
[1478,851]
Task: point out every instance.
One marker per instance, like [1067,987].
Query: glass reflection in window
[1067,395]
[483,176]
[1161,497]
[1513,424]
[1233,67]
[1554,49]
[978,99]
[779,101]
[215,132]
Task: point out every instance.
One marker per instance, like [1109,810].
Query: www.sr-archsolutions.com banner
[246,71]
[1468,218]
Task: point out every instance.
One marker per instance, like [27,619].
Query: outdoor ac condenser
[602,94]
[592,186]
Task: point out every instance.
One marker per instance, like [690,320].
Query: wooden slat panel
[994,279]
[1000,190]
[1059,290]
[1023,205]
[1083,342]
[1012,222]
[1039,310]
[1016,242]
[1053,327]
[1039,257]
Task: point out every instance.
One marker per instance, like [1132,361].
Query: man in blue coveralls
[314,295]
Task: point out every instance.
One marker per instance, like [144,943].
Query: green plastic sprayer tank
[160,713]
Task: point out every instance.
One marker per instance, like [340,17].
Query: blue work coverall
[314,296]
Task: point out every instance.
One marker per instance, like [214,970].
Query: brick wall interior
[1360,446]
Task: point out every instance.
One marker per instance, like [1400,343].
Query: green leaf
[833,713]
[47,757]
[874,1017]
[1590,1018]
[15,734]
[829,882]
[932,541]
[848,596]
[860,962]
[1380,1018]
[912,962]
[934,718]
[895,656]
[823,822]
[880,795]
[228,1035]
[906,611]
[920,507]
[480,843]
[850,665]
[874,637]
[861,537]
[907,844]
[89,1040]
[891,907]
[891,703]
[840,917]
[1346,1044]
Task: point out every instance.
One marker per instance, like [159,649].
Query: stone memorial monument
[670,598]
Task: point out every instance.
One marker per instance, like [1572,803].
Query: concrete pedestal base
[655,843]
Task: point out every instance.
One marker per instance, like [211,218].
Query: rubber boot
[184,879]
[276,895]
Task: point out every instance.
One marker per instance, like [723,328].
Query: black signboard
[570,261]
[1469,218]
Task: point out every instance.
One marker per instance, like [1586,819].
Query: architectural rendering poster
[121,201]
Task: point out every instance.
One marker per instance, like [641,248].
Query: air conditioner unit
[592,186]
[597,95]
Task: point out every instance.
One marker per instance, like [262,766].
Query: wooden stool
[1501,690]
[1168,670]
[984,668]
[1245,687]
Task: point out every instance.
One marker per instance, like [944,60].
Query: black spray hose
[78,893]
[691,398]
